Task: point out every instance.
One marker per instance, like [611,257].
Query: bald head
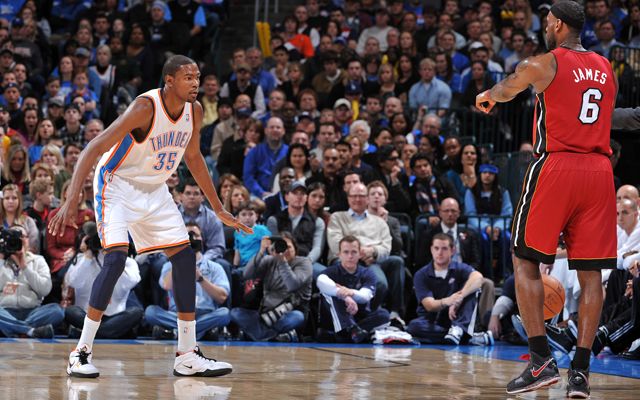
[627,192]
[627,215]
[449,212]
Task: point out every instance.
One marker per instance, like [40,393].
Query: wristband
[486,92]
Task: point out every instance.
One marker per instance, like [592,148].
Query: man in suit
[466,248]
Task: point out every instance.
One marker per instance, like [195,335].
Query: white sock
[186,336]
[30,332]
[88,332]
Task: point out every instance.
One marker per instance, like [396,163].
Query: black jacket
[398,200]
[231,159]
[444,189]
[467,246]
[335,194]
[303,232]
[337,91]
[274,204]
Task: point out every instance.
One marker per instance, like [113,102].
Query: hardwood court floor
[35,369]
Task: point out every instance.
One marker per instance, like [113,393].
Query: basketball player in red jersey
[569,188]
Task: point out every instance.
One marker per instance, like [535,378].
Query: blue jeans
[18,321]
[249,321]
[111,327]
[317,270]
[205,319]
[390,274]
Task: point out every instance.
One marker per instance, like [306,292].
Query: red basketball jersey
[574,113]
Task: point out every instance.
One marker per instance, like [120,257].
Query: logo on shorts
[110,177]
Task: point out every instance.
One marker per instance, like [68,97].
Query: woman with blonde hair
[52,156]
[225,183]
[16,168]
[387,80]
[44,130]
[11,213]
[61,248]
[236,195]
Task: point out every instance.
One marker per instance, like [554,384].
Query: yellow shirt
[210,111]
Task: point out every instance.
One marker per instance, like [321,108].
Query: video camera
[93,242]
[11,241]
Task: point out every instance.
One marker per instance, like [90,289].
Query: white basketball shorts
[145,211]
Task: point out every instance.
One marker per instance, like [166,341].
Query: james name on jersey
[589,75]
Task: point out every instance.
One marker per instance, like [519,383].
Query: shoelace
[83,357]
[525,357]
[199,353]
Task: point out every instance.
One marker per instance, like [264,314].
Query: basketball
[553,296]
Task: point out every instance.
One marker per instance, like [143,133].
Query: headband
[564,17]
[489,168]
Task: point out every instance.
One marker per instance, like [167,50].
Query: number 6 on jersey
[589,111]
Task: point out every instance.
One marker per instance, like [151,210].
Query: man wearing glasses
[388,171]
[375,247]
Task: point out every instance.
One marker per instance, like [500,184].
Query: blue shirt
[361,278]
[454,83]
[62,8]
[9,8]
[438,95]
[428,285]
[460,62]
[213,245]
[358,218]
[94,83]
[257,167]
[266,81]
[211,271]
[249,245]
[588,36]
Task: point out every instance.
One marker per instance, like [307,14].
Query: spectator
[407,76]
[64,12]
[44,130]
[287,279]
[446,40]
[235,148]
[80,80]
[357,147]
[445,23]
[297,158]
[212,291]
[399,125]
[235,197]
[260,160]
[429,92]
[629,228]
[354,74]
[295,40]
[242,84]
[11,98]
[328,175]
[452,150]
[127,69]
[387,170]
[481,54]
[375,238]
[489,198]
[605,32]
[464,174]
[379,31]
[231,128]
[71,155]
[278,201]
[26,281]
[344,286]
[138,47]
[193,15]
[427,124]
[276,103]
[517,41]
[601,13]
[247,246]
[344,149]
[324,81]
[41,192]
[428,190]
[73,130]
[259,76]
[326,139]
[16,168]
[11,214]
[378,196]
[316,193]
[295,84]
[444,306]
[52,157]
[445,72]
[408,150]
[343,114]
[118,320]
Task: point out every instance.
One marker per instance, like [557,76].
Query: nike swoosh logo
[189,366]
[535,372]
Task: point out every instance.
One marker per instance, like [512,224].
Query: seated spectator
[487,197]
[211,292]
[430,92]
[231,127]
[326,139]
[80,81]
[308,100]
[452,150]
[445,72]
[342,115]
[16,168]
[11,214]
[41,171]
[446,292]
[380,135]
[26,281]
[247,246]
[295,83]
[278,201]
[52,157]
[277,100]
[379,31]
[347,289]
[260,160]
[324,81]
[243,84]
[316,193]
[295,40]
[73,130]
[378,196]
[387,170]
[408,150]
[137,47]
[44,130]
[428,190]
[118,320]
[41,191]
[28,122]
[235,197]
[287,279]
[61,248]
[71,154]
[357,150]
[329,176]
[307,228]
[479,82]
[297,158]
[127,69]
[236,147]
[517,41]
[629,236]
[465,174]
[374,236]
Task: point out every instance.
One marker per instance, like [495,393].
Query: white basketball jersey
[154,159]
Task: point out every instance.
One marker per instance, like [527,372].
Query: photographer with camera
[118,320]
[287,290]
[211,292]
[24,281]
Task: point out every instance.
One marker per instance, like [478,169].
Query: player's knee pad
[183,274]
[106,280]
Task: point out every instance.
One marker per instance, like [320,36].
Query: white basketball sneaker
[80,363]
[194,363]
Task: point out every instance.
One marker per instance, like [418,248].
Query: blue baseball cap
[353,88]
[243,111]
[341,40]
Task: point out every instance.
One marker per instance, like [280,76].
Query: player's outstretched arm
[198,168]
[137,116]
[533,71]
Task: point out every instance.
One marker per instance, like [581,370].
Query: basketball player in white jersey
[139,152]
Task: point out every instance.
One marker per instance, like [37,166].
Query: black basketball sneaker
[540,372]
[578,387]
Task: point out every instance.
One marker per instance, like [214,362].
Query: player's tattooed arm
[513,84]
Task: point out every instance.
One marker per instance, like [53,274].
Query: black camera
[93,242]
[278,244]
[11,241]
[270,317]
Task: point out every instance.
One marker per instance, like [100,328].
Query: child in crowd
[80,88]
[247,246]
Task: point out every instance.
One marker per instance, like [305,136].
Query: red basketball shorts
[568,193]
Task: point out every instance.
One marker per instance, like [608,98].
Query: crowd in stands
[322,148]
